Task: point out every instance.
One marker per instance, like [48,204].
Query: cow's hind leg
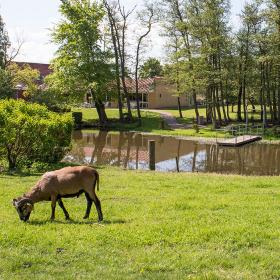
[89,204]
[60,203]
[97,203]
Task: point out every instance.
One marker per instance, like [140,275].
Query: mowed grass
[151,123]
[157,226]
[189,114]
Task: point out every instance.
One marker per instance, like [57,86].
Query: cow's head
[24,206]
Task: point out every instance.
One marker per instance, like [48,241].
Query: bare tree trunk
[149,26]
[239,102]
[179,107]
[213,109]
[217,104]
[222,103]
[122,55]
[278,97]
[100,108]
[101,112]
[195,106]
[268,90]
[116,54]
[208,105]
[244,96]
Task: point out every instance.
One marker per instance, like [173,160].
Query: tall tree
[4,44]
[177,25]
[246,51]
[122,45]
[146,18]
[114,23]
[80,60]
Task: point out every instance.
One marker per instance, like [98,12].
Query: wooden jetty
[239,140]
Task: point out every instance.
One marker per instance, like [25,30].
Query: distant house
[44,70]
[155,93]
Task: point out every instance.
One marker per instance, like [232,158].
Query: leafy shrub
[31,133]
[54,102]
[6,84]
[196,128]
[78,118]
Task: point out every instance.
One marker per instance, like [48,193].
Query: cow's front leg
[53,199]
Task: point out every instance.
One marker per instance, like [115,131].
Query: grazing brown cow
[58,184]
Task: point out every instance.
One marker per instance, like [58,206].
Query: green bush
[54,102]
[196,128]
[31,133]
[78,118]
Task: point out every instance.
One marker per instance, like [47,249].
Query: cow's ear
[30,206]
[15,202]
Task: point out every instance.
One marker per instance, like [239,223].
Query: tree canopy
[151,68]
[82,64]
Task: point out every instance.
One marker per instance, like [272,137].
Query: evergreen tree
[4,44]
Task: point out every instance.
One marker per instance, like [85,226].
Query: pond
[130,150]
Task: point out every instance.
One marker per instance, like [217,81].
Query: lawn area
[157,226]
[189,114]
[151,122]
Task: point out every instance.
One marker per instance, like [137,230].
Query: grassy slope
[157,226]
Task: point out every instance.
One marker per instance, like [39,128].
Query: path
[170,120]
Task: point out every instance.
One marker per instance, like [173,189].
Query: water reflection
[130,150]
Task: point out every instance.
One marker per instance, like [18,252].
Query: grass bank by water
[157,226]
[151,122]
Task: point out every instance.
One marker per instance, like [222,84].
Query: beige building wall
[164,96]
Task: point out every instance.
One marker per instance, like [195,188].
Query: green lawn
[189,114]
[157,226]
[151,122]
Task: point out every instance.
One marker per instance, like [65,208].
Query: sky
[30,21]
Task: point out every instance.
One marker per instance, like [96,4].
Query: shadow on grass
[149,123]
[47,168]
[77,222]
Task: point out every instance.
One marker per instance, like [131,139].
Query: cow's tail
[96,183]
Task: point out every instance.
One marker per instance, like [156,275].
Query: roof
[144,85]
[43,68]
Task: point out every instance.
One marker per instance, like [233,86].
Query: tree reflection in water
[130,150]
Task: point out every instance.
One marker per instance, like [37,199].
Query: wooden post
[152,155]
[162,124]
[177,164]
